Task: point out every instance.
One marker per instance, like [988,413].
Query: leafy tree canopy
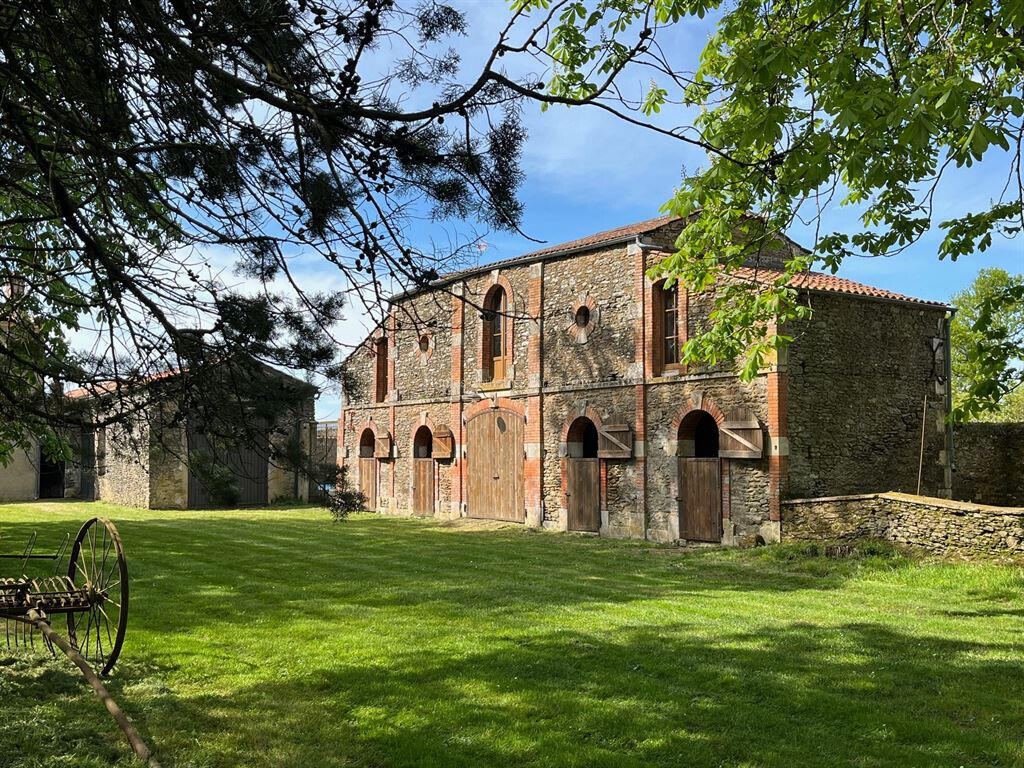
[808,102]
[141,139]
[987,335]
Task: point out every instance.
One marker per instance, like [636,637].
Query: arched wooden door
[700,483]
[423,472]
[368,468]
[494,455]
[583,477]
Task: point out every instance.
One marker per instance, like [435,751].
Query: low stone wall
[989,463]
[938,525]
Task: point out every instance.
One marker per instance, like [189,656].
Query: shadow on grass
[673,689]
[857,694]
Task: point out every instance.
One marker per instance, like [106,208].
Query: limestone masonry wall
[423,375]
[607,352]
[122,464]
[938,525]
[858,374]
[988,464]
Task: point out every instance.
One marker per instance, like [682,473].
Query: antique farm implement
[91,597]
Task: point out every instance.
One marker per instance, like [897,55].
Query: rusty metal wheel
[98,568]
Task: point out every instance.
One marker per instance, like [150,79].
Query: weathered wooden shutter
[615,441]
[444,443]
[383,446]
[741,437]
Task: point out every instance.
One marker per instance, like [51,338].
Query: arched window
[666,325]
[381,378]
[496,342]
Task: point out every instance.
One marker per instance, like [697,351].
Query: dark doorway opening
[583,477]
[51,479]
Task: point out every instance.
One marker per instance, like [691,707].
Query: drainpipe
[947,321]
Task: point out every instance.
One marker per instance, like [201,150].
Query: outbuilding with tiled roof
[550,390]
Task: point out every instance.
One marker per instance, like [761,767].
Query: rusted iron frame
[139,747]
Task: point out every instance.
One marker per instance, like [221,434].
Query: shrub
[217,479]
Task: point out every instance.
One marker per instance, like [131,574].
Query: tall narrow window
[381,351]
[670,324]
[496,341]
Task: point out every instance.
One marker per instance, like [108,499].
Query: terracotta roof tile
[819,281]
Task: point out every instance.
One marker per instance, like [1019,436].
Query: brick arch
[424,420]
[482,406]
[370,424]
[588,412]
[699,403]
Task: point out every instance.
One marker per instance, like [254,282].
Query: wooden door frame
[599,492]
[375,480]
[433,487]
[501,408]
[719,518]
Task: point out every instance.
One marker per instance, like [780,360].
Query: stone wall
[746,479]
[168,470]
[605,352]
[858,374]
[19,478]
[355,420]
[408,420]
[284,481]
[423,375]
[623,486]
[122,464]
[938,525]
[988,463]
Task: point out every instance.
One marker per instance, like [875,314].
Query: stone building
[156,460]
[548,389]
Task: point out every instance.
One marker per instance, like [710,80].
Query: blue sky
[587,171]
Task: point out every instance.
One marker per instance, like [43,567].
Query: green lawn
[279,638]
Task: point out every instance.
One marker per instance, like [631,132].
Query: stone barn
[549,390]
[159,460]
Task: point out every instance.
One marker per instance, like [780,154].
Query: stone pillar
[533,471]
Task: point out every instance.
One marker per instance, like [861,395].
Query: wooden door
[423,486]
[700,500]
[368,481]
[583,494]
[247,466]
[494,452]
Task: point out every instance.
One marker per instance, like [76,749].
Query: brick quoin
[458,467]
[644,364]
[533,469]
[778,432]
